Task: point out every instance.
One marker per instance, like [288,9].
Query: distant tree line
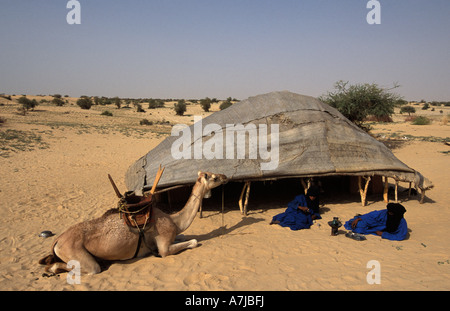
[86,102]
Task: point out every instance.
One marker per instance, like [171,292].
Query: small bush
[205,104]
[155,103]
[408,109]
[145,122]
[180,107]
[139,108]
[107,113]
[84,103]
[226,104]
[116,100]
[27,104]
[421,121]
[58,101]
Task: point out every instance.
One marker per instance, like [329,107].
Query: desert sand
[54,174]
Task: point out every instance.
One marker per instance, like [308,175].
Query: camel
[109,238]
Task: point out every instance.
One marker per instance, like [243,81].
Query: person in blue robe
[301,211]
[388,223]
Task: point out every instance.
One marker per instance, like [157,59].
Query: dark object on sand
[335,224]
[46,234]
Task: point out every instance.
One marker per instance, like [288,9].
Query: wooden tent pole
[385,190]
[360,189]
[243,207]
[362,192]
[305,187]
[396,191]
[247,194]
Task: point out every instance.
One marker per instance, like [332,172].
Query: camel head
[211,181]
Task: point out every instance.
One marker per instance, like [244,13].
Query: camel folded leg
[88,264]
[165,248]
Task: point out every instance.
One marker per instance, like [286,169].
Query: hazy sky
[237,48]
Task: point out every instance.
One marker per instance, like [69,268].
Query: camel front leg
[165,248]
[178,247]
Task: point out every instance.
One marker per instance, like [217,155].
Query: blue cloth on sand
[376,221]
[295,218]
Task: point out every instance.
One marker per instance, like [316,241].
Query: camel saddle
[135,210]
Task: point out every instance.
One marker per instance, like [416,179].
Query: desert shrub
[155,103]
[107,113]
[16,140]
[2,120]
[145,122]
[27,103]
[116,100]
[358,101]
[425,107]
[84,103]
[58,101]
[180,107]
[205,104]
[408,110]
[421,121]
[138,107]
[225,104]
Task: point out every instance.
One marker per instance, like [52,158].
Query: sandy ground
[62,180]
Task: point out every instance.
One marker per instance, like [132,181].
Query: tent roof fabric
[314,139]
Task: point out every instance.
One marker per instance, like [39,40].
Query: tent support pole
[396,191]
[305,187]
[247,194]
[385,190]
[243,207]
[362,192]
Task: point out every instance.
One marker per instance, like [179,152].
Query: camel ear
[199,173]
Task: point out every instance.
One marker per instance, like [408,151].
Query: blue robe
[376,221]
[295,218]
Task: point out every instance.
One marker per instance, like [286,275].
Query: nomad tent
[270,137]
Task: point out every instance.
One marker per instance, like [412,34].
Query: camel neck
[184,218]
